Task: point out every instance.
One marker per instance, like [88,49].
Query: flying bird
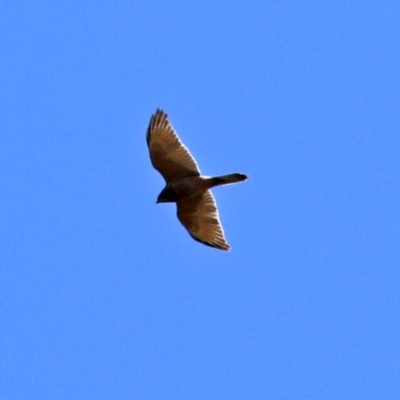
[184,185]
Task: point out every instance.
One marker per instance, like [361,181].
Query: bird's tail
[227,179]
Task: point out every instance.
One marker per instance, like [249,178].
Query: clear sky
[104,295]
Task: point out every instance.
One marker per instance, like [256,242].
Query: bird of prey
[196,207]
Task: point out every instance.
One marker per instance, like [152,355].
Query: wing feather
[168,154]
[199,215]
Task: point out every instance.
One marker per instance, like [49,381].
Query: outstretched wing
[168,154]
[199,215]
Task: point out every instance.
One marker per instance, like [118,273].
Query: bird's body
[188,187]
[196,207]
[192,186]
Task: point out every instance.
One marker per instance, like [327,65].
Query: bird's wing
[199,215]
[168,154]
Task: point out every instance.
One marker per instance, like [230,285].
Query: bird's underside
[196,206]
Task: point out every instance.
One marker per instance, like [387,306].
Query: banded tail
[228,179]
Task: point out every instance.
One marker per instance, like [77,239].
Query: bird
[184,184]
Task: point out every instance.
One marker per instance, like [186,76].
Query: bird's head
[167,195]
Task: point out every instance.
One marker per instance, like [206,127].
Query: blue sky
[104,295]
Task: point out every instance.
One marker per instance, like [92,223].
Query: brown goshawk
[196,206]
